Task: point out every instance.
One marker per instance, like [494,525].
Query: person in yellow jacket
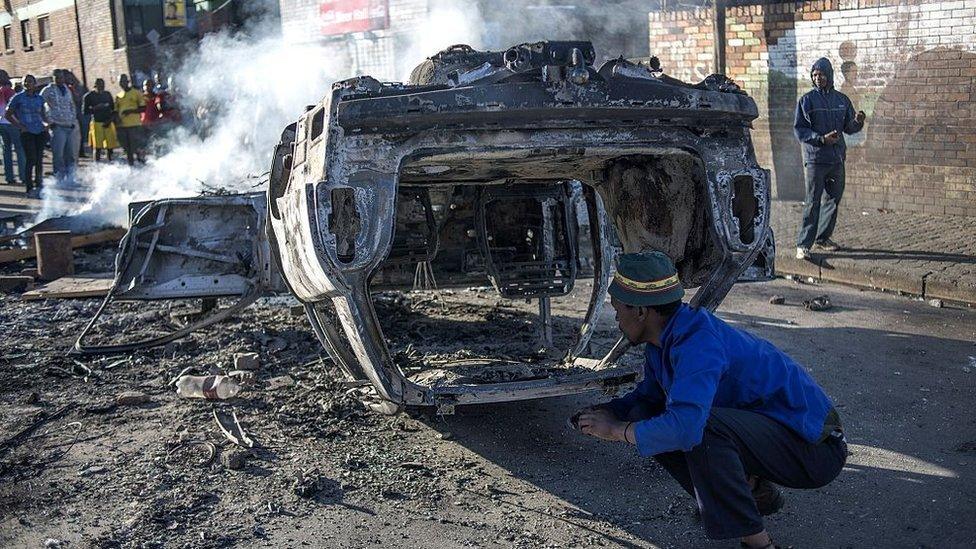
[100,105]
[129,105]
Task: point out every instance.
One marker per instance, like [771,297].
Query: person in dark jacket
[726,413]
[99,105]
[823,116]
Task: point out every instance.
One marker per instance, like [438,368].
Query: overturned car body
[525,169]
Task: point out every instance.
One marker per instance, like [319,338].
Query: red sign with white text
[345,16]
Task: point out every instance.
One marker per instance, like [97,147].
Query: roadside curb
[825,268]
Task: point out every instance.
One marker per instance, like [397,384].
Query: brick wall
[102,60]
[914,73]
[61,51]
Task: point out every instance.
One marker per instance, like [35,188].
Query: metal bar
[160,215]
[602,265]
[618,350]
[718,28]
[545,322]
[604,380]
[190,252]
[548,245]
[81,348]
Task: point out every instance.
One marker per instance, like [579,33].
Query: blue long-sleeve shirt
[704,362]
[820,112]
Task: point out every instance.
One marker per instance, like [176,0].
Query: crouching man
[725,413]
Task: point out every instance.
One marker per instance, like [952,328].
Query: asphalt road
[903,376]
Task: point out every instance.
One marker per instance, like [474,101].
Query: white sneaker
[802,253]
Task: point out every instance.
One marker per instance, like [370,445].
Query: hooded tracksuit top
[703,363]
[820,112]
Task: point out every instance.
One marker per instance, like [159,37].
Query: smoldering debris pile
[124,444]
[162,461]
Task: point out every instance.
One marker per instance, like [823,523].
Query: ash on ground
[155,471]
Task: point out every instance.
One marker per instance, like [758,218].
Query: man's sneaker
[769,498]
[828,245]
[802,253]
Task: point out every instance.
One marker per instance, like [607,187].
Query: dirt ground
[327,473]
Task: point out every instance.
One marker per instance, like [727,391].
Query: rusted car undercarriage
[489,167]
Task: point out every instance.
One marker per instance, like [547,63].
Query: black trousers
[133,141]
[819,220]
[34,152]
[737,443]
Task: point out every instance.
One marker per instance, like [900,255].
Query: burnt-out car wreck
[525,169]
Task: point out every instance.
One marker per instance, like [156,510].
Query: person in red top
[10,136]
[166,105]
[150,116]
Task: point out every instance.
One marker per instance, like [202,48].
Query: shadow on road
[901,398]
[912,255]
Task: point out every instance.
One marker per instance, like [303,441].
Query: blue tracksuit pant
[737,443]
[819,220]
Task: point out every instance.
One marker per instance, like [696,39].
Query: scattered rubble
[230,426]
[93,470]
[817,304]
[247,361]
[132,398]
[234,459]
[279,382]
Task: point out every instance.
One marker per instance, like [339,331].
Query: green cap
[646,278]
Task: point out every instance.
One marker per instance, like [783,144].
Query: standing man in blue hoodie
[725,413]
[823,116]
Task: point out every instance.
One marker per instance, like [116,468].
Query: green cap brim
[643,299]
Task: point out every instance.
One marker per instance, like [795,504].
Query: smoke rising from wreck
[248,90]
[251,84]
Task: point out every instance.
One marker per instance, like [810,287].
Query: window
[44,29]
[318,121]
[142,17]
[8,38]
[118,30]
[25,35]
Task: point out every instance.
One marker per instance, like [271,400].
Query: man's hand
[831,138]
[859,117]
[603,424]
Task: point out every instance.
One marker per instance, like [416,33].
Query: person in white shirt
[63,122]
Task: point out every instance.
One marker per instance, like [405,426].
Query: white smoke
[445,25]
[249,89]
